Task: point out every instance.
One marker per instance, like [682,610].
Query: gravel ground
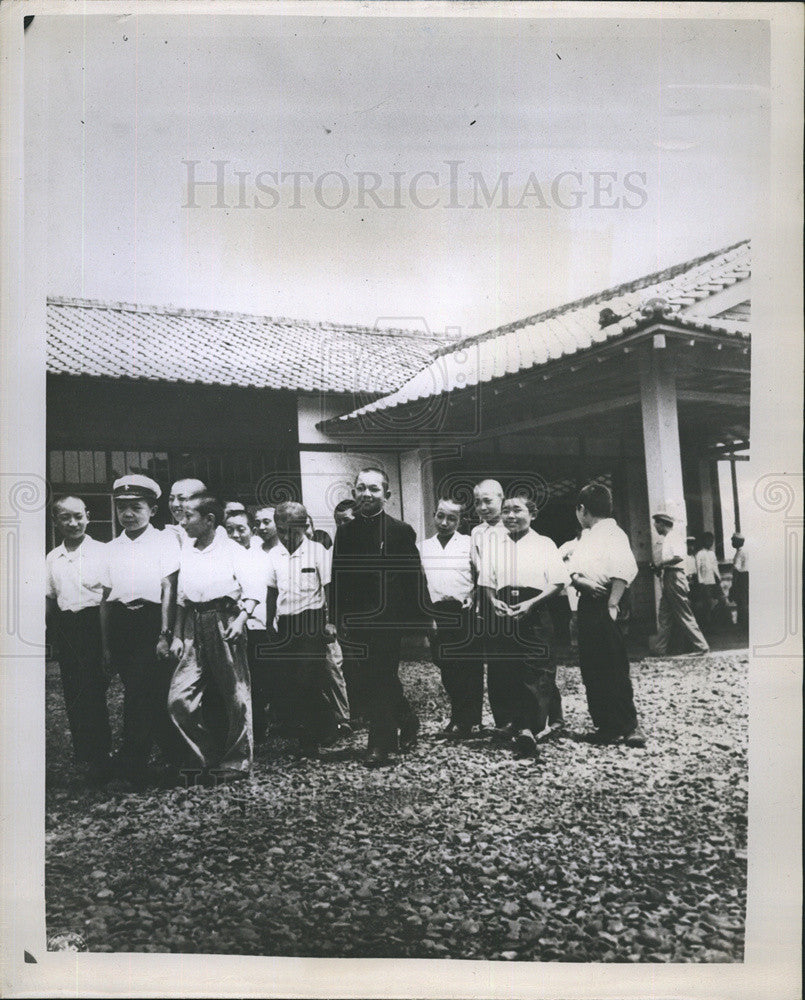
[593,854]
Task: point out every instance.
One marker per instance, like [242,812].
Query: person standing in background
[739,590]
[674,610]
[78,583]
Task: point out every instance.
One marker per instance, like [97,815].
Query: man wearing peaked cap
[136,487]
[674,609]
[143,568]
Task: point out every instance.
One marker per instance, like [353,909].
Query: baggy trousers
[133,637]
[301,649]
[260,645]
[209,659]
[84,683]
[335,686]
[675,610]
[388,709]
[605,668]
[524,649]
[457,654]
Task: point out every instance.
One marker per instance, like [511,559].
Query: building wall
[328,466]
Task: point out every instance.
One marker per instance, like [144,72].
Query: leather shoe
[450,732]
[635,738]
[378,758]
[524,744]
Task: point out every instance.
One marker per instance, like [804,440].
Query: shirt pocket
[308,580]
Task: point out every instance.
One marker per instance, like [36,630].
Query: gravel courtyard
[593,854]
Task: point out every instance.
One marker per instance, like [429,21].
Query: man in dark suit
[378,593]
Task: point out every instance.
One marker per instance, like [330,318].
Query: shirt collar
[133,541]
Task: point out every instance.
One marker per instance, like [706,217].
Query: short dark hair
[451,500]
[323,538]
[708,538]
[241,513]
[291,510]
[526,499]
[596,500]
[379,471]
[206,503]
[67,496]
[344,505]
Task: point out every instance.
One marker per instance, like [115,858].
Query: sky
[583,153]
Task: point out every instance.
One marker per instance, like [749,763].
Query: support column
[416,483]
[661,434]
[706,493]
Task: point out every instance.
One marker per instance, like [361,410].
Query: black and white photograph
[408,395]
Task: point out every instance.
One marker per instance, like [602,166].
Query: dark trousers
[457,653]
[146,682]
[355,676]
[301,650]
[523,652]
[605,668]
[260,644]
[740,594]
[84,684]
[388,709]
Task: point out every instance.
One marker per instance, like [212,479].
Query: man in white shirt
[485,539]
[77,573]
[674,607]
[708,579]
[217,591]
[601,568]
[448,571]
[524,576]
[739,590]
[299,571]
[143,566]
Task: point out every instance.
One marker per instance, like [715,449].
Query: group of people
[230,624]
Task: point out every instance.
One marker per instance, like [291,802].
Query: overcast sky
[675,110]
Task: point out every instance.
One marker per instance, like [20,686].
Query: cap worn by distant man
[143,567]
[675,599]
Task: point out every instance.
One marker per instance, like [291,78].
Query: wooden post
[735,505]
[661,433]
[706,492]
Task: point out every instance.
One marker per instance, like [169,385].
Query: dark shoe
[635,738]
[470,733]
[378,758]
[601,738]
[343,731]
[524,744]
[503,734]
[308,752]
[450,732]
[409,735]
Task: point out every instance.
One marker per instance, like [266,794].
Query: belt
[218,604]
[136,605]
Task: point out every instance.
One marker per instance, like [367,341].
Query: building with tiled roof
[644,386]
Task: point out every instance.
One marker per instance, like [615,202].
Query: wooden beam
[562,416]
[713,398]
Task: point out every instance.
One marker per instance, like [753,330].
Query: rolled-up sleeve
[620,562]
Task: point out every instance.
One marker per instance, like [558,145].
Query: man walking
[674,603]
[377,594]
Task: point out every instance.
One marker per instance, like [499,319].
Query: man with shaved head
[182,491]
[486,540]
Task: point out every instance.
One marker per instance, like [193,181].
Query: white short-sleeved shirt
[690,565]
[603,554]
[706,567]
[674,544]
[222,569]
[77,579]
[739,561]
[484,542]
[447,567]
[137,566]
[259,559]
[299,577]
[566,550]
[531,561]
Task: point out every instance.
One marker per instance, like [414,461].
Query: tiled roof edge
[170,310]
[623,289]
